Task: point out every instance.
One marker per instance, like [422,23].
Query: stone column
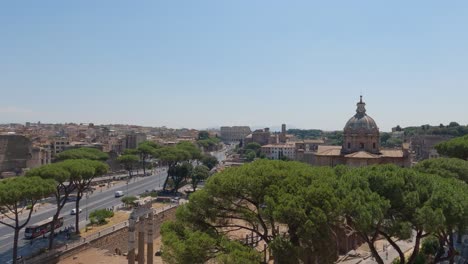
[131,241]
[141,241]
[149,239]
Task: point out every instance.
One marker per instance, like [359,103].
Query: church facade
[361,146]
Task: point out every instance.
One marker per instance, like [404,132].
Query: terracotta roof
[392,153]
[329,151]
[362,155]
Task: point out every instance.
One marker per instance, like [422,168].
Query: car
[119,194]
[73,211]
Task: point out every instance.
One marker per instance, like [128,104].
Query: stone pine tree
[82,172]
[19,196]
[129,162]
[199,174]
[64,186]
[146,150]
[84,164]
[454,148]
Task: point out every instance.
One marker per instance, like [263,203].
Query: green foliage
[250,155]
[14,191]
[386,140]
[451,130]
[18,193]
[202,135]
[129,161]
[83,153]
[253,146]
[209,143]
[128,200]
[306,133]
[334,138]
[445,167]
[312,202]
[173,156]
[179,173]
[152,194]
[291,193]
[182,245]
[199,174]
[430,246]
[99,217]
[209,161]
[455,148]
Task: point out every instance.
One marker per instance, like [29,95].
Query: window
[349,145]
[373,145]
[362,145]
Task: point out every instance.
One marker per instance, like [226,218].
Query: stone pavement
[388,256]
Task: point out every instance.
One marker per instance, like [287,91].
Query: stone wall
[15,151]
[112,241]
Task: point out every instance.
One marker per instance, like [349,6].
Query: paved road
[97,200]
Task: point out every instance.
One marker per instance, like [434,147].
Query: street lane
[97,200]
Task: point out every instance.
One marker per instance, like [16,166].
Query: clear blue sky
[210,63]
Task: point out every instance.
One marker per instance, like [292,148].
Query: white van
[119,193]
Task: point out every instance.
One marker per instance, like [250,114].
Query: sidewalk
[388,256]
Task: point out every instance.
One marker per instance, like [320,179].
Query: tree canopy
[209,161]
[455,148]
[445,167]
[296,209]
[199,173]
[18,195]
[83,153]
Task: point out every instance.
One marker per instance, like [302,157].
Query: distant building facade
[15,151]
[423,146]
[234,133]
[361,146]
[58,145]
[133,139]
[278,151]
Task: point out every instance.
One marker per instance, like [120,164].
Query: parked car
[73,211]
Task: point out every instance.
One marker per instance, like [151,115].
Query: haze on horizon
[202,64]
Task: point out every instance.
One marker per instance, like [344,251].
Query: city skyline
[208,64]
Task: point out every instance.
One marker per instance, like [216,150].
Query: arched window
[373,145]
[362,145]
[349,145]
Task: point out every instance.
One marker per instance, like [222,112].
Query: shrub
[98,217]
[129,200]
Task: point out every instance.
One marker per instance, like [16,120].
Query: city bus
[42,227]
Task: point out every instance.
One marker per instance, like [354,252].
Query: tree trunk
[375,254]
[77,215]
[52,232]
[15,242]
[416,248]
[395,246]
[441,251]
[451,248]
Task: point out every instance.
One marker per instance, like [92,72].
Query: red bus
[42,227]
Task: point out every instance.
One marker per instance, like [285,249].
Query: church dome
[361,122]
